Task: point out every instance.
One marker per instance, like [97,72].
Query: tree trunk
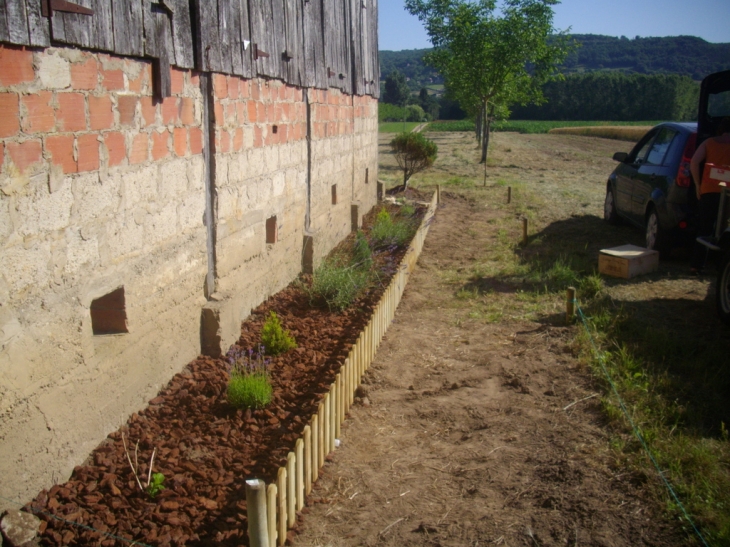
[485,135]
[479,126]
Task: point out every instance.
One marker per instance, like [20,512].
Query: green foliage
[414,153]
[397,91]
[155,486]
[616,96]
[249,390]
[391,113]
[337,284]
[386,231]
[396,127]
[274,338]
[362,255]
[415,113]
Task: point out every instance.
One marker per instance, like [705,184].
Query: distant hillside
[684,55]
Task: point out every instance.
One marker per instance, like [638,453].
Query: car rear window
[718,104]
[660,146]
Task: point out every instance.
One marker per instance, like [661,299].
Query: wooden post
[291,490]
[570,305]
[320,440]
[258,524]
[438,193]
[327,424]
[281,487]
[271,514]
[315,448]
[509,194]
[338,405]
[307,460]
[299,451]
[333,415]
[524,230]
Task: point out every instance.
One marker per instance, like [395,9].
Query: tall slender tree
[490,58]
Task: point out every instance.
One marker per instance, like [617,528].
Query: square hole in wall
[275,129]
[334,194]
[109,313]
[272,232]
[367,175]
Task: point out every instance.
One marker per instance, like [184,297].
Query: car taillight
[683,225]
[684,175]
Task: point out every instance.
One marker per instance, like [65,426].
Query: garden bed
[205,448]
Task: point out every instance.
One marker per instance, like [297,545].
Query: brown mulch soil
[205,448]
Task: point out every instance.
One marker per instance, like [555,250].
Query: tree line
[615,96]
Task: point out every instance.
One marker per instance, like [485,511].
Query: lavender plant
[249,385]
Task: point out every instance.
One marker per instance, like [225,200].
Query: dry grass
[617,132]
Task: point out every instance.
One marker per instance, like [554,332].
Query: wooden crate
[627,261]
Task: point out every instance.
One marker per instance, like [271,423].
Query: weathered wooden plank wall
[309,43]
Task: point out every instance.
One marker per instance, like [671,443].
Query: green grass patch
[397,127]
[249,390]
[387,231]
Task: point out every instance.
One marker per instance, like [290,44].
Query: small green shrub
[386,232]
[249,385]
[275,339]
[336,284]
[362,254]
[249,390]
[414,153]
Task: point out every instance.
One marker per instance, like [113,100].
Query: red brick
[9,115]
[17,65]
[88,149]
[255,90]
[224,144]
[149,110]
[101,115]
[138,153]
[71,113]
[230,110]
[187,114]
[177,79]
[24,154]
[112,80]
[41,117]
[218,114]
[116,149]
[283,134]
[160,148]
[243,89]
[232,83]
[252,118]
[127,107]
[271,113]
[286,111]
[261,112]
[195,79]
[180,140]
[265,91]
[196,140]
[241,112]
[170,110]
[61,148]
[85,75]
[238,140]
[258,137]
[220,86]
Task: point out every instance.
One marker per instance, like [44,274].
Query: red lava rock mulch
[205,448]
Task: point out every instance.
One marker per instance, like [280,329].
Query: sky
[707,19]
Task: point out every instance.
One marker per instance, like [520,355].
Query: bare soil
[490,432]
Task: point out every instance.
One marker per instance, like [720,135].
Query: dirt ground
[481,425]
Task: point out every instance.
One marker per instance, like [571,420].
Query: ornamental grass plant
[249,385]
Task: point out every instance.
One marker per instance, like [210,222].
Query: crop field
[396,127]
[529,126]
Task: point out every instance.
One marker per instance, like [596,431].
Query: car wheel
[610,214]
[722,294]
[656,238]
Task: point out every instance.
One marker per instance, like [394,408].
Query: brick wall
[101,188]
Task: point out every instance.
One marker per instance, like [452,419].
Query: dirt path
[485,432]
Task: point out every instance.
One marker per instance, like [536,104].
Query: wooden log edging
[295,480]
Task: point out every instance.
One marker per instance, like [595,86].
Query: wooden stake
[307,460]
[281,487]
[438,193]
[271,514]
[299,451]
[333,416]
[291,489]
[315,447]
[570,305]
[258,524]
[509,194]
[338,405]
[327,421]
[524,231]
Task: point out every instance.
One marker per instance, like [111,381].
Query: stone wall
[102,188]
